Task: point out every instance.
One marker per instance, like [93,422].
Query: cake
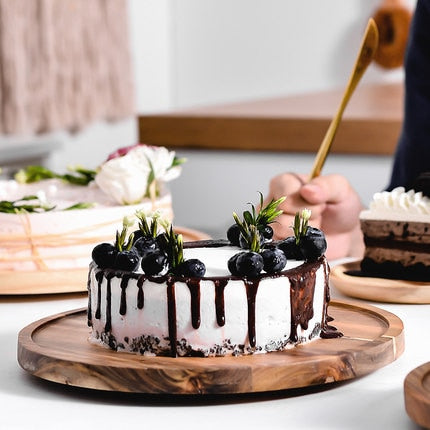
[242,295]
[396,230]
[49,223]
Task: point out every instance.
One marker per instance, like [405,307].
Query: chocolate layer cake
[396,231]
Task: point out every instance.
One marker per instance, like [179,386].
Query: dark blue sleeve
[412,155]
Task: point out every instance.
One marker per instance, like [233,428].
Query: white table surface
[375,401]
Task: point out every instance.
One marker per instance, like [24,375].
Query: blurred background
[173,55]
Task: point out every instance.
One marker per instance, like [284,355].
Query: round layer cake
[62,239]
[151,294]
[215,315]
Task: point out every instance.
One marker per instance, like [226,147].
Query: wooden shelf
[371,123]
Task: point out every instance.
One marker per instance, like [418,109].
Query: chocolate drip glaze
[99,278]
[220,285]
[251,294]
[171,309]
[301,297]
[328,331]
[108,326]
[123,303]
[89,311]
[140,298]
[193,285]
[302,290]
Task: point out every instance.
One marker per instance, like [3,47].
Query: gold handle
[364,58]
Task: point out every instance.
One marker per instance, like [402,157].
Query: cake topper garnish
[78,175]
[137,172]
[253,233]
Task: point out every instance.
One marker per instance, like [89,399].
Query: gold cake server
[368,49]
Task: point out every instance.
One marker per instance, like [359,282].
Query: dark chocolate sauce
[193,285]
[89,311]
[140,297]
[302,296]
[99,278]
[171,309]
[220,285]
[123,303]
[108,326]
[251,294]
[328,331]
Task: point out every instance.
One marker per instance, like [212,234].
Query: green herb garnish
[300,226]
[30,203]
[123,241]
[77,176]
[254,221]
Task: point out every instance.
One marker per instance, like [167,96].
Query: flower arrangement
[137,172]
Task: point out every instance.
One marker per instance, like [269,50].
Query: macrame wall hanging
[63,64]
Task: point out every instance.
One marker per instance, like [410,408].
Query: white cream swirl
[400,201]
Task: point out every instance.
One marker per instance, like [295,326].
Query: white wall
[196,52]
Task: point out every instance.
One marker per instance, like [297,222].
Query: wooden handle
[367,51]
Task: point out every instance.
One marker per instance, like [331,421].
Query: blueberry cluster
[156,253]
[261,253]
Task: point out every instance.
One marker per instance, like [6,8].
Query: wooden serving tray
[57,349]
[64,280]
[417,395]
[377,289]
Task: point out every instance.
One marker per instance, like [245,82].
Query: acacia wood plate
[417,395]
[57,349]
[64,280]
[377,289]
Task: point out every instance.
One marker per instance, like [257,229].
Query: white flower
[137,174]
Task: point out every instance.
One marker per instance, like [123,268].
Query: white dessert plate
[57,349]
[64,280]
[377,289]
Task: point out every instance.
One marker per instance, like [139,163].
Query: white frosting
[272,308]
[399,205]
[62,239]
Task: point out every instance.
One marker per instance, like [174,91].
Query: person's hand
[335,208]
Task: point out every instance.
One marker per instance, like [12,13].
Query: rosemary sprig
[30,203]
[122,242]
[77,176]
[148,229]
[300,225]
[254,222]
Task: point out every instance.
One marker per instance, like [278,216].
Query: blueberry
[104,255]
[313,244]
[291,250]
[231,264]
[274,260]
[145,244]
[267,232]
[191,268]
[249,264]
[233,234]
[154,262]
[127,260]
[137,234]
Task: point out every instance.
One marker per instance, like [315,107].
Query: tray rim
[381,290]
[394,334]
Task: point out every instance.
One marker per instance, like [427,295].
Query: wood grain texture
[417,395]
[57,349]
[370,125]
[377,289]
[64,280]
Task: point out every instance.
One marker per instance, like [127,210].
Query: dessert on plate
[51,222]
[152,294]
[396,230]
